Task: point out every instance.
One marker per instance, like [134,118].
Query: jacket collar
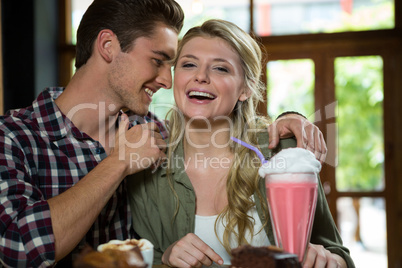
[178,167]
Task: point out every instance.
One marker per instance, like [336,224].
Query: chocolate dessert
[247,256]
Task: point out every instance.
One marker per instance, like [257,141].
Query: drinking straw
[255,149]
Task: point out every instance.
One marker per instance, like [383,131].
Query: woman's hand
[307,134]
[319,257]
[190,251]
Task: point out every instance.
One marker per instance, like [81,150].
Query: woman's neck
[209,139]
[208,160]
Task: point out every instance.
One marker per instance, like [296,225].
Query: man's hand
[318,257]
[307,134]
[139,147]
[190,251]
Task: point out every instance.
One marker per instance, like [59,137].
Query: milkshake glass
[291,183]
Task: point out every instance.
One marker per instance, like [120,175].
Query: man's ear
[106,43]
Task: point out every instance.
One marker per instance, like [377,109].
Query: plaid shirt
[42,154]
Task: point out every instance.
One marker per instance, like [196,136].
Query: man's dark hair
[128,19]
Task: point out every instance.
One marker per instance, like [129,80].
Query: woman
[208,198]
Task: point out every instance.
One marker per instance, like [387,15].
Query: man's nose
[164,78]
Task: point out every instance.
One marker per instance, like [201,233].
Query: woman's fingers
[190,251]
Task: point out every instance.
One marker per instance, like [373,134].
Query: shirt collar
[49,117]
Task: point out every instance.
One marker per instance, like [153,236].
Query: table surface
[165,266]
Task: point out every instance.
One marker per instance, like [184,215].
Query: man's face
[136,75]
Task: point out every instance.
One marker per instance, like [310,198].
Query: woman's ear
[245,95]
[105,43]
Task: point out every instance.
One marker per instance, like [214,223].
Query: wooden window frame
[323,49]
[1,68]
[66,48]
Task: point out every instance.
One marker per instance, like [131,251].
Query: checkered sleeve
[26,235]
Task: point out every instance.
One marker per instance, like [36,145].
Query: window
[341,58]
[319,16]
[293,78]
[362,223]
[197,11]
[359,94]
[358,154]
[78,8]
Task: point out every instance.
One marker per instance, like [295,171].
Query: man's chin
[139,112]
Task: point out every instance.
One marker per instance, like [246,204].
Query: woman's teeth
[201,94]
[149,92]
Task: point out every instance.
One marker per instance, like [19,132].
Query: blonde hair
[243,179]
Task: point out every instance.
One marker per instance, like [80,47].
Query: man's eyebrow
[163,54]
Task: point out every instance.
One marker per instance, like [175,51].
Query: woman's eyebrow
[189,56]
[196,58]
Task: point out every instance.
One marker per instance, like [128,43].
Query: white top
[205,230]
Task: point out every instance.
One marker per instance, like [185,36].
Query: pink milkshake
[291,183]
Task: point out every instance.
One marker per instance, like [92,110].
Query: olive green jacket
[153,206]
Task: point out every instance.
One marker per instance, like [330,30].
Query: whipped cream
[291,160]
[128,244]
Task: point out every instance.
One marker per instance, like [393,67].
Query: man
[63,160]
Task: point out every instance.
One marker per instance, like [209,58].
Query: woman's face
[208,79]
